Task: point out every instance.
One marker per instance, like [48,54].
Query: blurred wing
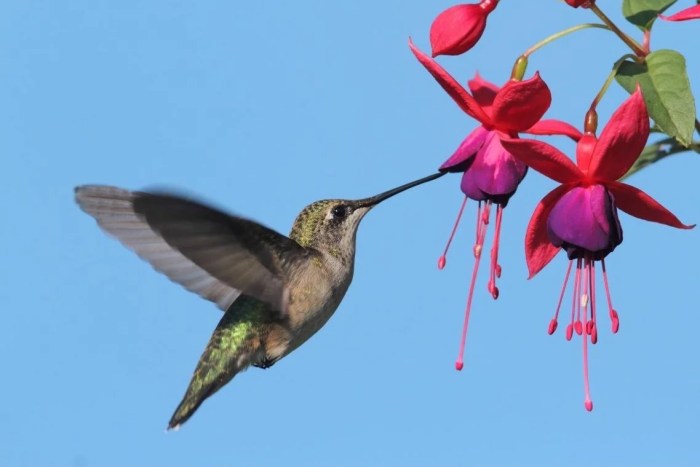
[213,254]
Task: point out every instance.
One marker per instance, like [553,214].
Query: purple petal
[584,222]
[459,161]
[495,173]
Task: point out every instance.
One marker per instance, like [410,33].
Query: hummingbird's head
[331,225]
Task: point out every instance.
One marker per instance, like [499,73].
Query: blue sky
[264,107]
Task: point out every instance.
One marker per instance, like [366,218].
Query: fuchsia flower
[460,27]
[491,173]
[692,12]
[580,216]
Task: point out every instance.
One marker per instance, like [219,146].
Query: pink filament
[594,326]
[613,314]
[482,223]
[478,228]
[443,259]
[554,322]
[495,267]
[576,305]
[588,403]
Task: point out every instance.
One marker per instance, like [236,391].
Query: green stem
[631,43]
[563,33]
[609,80]
[697,125]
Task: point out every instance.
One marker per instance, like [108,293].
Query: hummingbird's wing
[211,253]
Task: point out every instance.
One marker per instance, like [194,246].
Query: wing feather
[213,254]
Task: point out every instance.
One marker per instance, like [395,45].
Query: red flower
[580,216]
[515,107]
[491,173]
[692,12]
[460,27]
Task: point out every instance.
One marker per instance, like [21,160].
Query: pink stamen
[479,227]
[554,322]
[442,261]
[569,332]
[495,267]
[482,222]
[591,278]
[585,296]
[614,318]
[588,403]
[574,303]
[578,326]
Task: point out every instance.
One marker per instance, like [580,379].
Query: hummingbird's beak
[374,200]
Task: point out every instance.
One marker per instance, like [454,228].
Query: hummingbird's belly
[315,293]
[304,321]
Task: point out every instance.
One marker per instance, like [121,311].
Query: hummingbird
[275,291]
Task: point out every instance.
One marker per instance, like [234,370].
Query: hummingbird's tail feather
[206,380]
[233,347]
[185,410]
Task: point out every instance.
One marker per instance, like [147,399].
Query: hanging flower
[491,173]
[580,216]
[459,28]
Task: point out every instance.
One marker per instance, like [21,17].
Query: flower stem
[609,80]
[561,34]
[631,43]
[646,45]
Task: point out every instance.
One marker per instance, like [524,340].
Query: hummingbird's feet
[265,363]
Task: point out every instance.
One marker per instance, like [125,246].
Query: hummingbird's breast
[314,294]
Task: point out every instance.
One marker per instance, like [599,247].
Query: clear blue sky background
[264,107]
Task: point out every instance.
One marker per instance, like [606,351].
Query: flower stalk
[631,43]
[560,34]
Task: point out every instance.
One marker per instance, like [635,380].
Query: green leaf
[666,90]
[643,13]
[657,151]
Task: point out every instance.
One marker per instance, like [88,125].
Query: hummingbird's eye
[339,211]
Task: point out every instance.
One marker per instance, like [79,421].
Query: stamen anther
[615,321]
[442,261]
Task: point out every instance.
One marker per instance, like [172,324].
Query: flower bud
[460,27]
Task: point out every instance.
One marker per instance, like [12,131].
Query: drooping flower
[459,28]
[491,173]
[692,12]
[580,216]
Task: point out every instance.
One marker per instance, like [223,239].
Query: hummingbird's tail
[234,345]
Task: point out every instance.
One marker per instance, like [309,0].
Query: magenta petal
[458,162]
[495,174]
[584,222]
[684,15]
